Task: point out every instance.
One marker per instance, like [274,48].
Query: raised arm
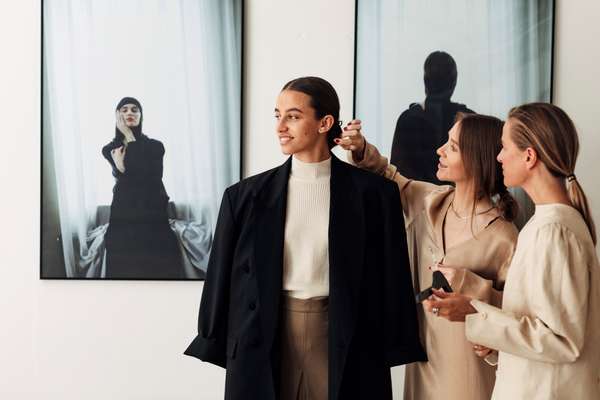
[366,156]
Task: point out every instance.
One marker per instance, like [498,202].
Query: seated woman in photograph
[465,232]
[308,291]
[139,240]
[547,329]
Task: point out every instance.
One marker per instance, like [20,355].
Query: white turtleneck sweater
[306,245]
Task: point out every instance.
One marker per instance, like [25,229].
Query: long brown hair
[551,133]
[480,141]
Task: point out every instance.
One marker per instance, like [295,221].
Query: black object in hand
[439,282]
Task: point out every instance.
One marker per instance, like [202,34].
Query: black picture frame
[57,271]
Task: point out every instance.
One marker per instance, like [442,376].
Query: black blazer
[372,313]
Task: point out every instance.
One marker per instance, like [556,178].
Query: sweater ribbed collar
[310,171]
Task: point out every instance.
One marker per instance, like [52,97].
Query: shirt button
[252,305]
[484,315]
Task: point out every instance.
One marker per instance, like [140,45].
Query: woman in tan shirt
[468,226]
[548,328]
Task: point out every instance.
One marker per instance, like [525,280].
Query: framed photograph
[141,134]
[419,62]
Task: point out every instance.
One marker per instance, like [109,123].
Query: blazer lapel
[270,207]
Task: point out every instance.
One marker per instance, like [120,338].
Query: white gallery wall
[115,340]
[577,86]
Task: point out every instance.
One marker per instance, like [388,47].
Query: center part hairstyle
[548,130]
[323,99]
[480,141]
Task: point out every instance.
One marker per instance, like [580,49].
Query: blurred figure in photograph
[139,240]
[424,127]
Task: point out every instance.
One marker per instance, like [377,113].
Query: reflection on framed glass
[419,62]
[141,107]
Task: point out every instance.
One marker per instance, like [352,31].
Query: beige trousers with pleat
[304,348]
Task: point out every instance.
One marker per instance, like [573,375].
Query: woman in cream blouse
[447,227]
[548,328]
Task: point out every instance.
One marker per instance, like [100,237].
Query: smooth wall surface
[577,86]
[123,340]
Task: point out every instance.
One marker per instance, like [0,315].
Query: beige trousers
[304,345]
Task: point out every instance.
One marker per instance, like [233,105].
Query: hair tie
[571,178]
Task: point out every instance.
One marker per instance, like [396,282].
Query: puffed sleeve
[412,193]
[210,343]
[558,290]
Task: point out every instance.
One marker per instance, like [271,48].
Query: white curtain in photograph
[502,50]
[181,60]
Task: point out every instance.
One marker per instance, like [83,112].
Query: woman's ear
[326,124]
[530,157]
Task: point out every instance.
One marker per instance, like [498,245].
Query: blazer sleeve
[400,324]
[211,341]
[558,291]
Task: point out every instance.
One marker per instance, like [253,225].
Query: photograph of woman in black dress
[139,241]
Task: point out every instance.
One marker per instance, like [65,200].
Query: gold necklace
[469,216]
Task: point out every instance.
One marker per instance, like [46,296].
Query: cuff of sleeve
[492,358]
[476,324]
[208,350]
[472,285]
[361,163]
[403,355]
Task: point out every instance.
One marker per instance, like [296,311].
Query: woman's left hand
[452,306]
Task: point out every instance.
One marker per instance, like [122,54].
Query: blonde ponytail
[579,201]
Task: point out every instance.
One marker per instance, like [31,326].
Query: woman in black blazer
[268,240]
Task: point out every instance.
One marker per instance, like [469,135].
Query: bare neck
[545,188]
[463,199]
[315,154]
